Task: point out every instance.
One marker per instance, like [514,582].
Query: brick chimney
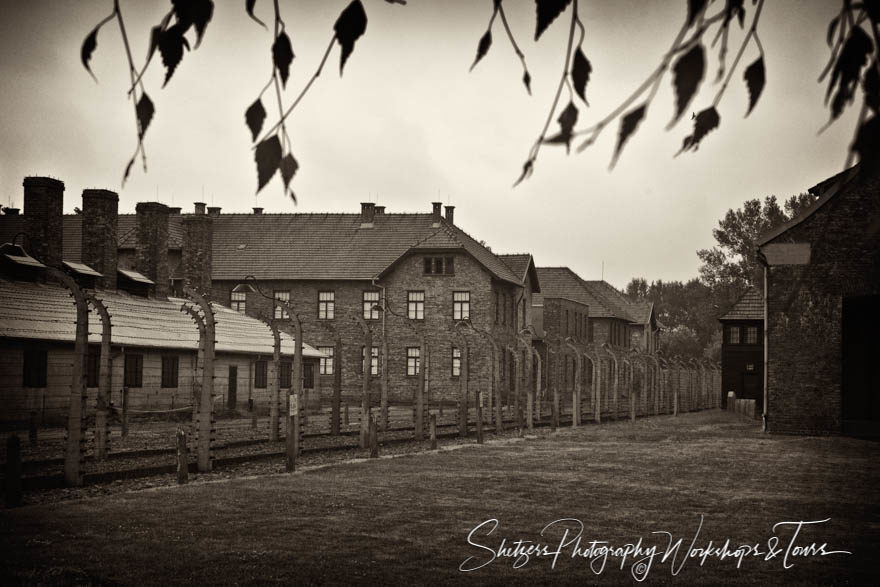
[258,211]
[368,210]
[213,210]
[99,237]
[175,211]
[199,208]
[198,239]
[43,201]
[11,211]
[152,245]
[380,210]
[450,214]
[436,213]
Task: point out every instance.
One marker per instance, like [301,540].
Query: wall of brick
[152,245]
[805,308]
[99,234]
[43,201]
[401,332]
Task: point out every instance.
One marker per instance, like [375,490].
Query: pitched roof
[45,312]
[523,265]
[562,282]
[828,189]
[619,303]
[749,307]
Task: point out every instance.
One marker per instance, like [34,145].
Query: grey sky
[408,124]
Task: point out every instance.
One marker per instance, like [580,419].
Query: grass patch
[406,520]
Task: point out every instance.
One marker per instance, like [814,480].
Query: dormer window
[439,265]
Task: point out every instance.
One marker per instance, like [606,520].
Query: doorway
[860,381]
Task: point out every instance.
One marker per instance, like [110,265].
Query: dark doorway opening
[860,387]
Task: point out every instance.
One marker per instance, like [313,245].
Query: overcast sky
[408,125]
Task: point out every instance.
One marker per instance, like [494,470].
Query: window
[261,374]
[308,375]
[565,326]
[238,301]
[170,365]
[439,265]
[415,305]
[281,312]
[456,361]
[286,371]
[374,360]
[325,367]
[93,366]
[134,370]
[326,305]
[504,309]
[733,335]
[371,305]
[35,367]
[751,335]
[412,360]
[461,305]
[750,366]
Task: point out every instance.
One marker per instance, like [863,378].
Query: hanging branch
[169,40]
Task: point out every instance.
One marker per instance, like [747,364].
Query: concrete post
[433,431]
[337,389]
[206,401]
[74,454]
[12,473]
[102,420]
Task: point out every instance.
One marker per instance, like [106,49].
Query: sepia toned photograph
[429,292]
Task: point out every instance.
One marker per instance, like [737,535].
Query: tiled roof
[562,282]
[614,300]
[518,263]
[749,307]
[300,246]
[46,312]
[332,246]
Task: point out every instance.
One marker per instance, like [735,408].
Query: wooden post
[337,389]
[32,429]
[12,474]
[433,431]
[124,412]
[182,457]
[374,440]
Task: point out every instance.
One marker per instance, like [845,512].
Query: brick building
[408,278]
[822,279]
[742,349]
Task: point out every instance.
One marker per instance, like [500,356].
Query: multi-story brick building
[822,311]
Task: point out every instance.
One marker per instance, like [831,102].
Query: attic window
[439,265]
